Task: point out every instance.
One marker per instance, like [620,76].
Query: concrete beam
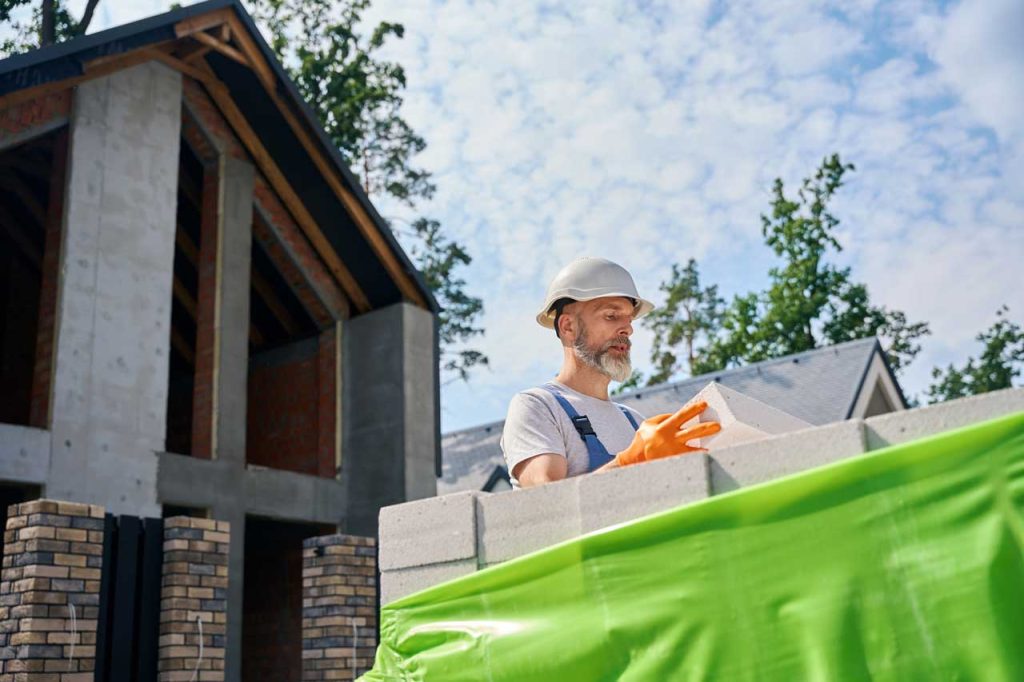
[901,427]
[24,454]
[111,353]
[289,496]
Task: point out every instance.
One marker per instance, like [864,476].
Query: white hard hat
[585,279]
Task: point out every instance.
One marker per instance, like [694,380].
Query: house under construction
[201,313]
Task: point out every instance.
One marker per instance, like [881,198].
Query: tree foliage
[48,22]
[809,301]
[1000,362]
[684,325]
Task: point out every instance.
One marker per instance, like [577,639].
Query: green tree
[48,22]
[685,325]
[809,302]
[1001,360]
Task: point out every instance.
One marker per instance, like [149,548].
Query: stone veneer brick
[339,607]
[53,556]
[194,588]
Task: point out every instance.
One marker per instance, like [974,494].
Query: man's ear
[567,327]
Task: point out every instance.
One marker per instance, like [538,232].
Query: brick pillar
[53,557]
[328,403]
[339,607]
[194,588]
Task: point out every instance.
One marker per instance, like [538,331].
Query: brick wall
[37,112]
[206,318]
[53,554]
[291,411]
[339,607]
[194,587]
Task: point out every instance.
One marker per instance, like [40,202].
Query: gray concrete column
[390,408]
[114,302]
[232,334]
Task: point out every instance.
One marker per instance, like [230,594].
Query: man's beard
[616,368]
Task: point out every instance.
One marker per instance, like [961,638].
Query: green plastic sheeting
[903,564]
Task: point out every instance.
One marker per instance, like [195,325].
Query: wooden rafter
[369,230]
[222,47]
[25,193]
[17,235]
[182,346]
[289,197]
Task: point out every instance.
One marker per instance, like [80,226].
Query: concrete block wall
[426,542]
[339,607]
[49,591]
[193,599]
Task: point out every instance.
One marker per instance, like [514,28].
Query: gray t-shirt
[536,424]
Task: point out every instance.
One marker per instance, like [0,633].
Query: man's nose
[627,328]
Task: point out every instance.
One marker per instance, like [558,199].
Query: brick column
[53,557]
[339,607]
[194,588]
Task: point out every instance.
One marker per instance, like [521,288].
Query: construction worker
[568,426]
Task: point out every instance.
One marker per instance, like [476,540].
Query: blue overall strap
[630,417]
[597,453]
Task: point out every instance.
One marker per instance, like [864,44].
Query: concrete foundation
[113,316]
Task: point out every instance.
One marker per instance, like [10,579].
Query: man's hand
[660,436]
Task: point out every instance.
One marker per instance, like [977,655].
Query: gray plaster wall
[24,454]
[426,542]
[114,303]
[389,403]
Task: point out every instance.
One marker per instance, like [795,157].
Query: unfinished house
[201,313]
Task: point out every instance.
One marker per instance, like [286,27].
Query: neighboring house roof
[821,386]
[272,107]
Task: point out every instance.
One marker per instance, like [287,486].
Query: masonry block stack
[427,542]
[49,591]
[193,601]
[339,607]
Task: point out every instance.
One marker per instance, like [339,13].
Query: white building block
[777,456]
[400,582]
[430,531]
[518,522]
[743,418]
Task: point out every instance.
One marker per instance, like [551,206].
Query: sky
[650,132]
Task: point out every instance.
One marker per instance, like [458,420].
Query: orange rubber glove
[660,436]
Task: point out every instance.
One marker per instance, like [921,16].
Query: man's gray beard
[617,369]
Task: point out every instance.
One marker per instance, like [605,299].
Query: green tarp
[903,564]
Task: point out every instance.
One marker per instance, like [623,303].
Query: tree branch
[90,8]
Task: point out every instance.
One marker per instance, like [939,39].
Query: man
[569,426]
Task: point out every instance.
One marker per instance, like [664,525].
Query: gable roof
[820,386]
[379,270]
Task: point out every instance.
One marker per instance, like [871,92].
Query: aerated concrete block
[430,531]
[623,495]
[518,522]
[902,427]
[743,418]
[398,583]
[770,458]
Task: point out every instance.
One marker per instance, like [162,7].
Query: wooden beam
[290,199]
[178,65]
[203,22]
[248,46]
[223,48]
[403,280]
